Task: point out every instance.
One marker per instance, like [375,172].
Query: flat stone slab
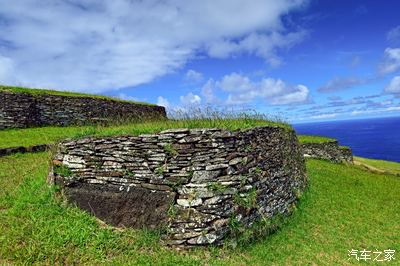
[123,206]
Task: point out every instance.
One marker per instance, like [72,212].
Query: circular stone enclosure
[193,183]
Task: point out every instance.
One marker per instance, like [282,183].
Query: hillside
[345,208]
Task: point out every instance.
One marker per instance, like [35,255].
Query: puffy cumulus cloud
[262,45]
[341,83]
[241,90]
[97,45]
[193,76]
[394,86]
[190,99]
[391,62]
[163,102]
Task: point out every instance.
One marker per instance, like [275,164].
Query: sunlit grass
[313,139]
[379,165]
[344,208]
[49,135]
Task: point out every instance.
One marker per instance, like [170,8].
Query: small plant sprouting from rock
[243,180]
[248,148]
[258,170]
[172,211]
[62,170]
[98,165]
[170,150]
[247,201]
[241,234]
[175,185]
[217,187]
[159,171]
[129,173]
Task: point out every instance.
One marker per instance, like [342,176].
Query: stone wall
[22,110]
[193,183]
[329,150]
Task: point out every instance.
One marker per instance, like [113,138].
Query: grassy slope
[48,135]
[62,93]
[313,139]
[344,208]
[378,165]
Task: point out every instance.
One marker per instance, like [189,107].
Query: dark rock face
[123,205]
[330,151]
[22,110]
[21,149]
[192,182]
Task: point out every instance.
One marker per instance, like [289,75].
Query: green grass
[379,165]
[344,208]
[62,93]
[314,139]
[49,135]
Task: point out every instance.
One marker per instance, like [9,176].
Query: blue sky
[301,60]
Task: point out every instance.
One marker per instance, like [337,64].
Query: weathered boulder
[193,183]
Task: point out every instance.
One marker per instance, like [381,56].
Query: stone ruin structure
[23,110]
[191,183]
[329,150]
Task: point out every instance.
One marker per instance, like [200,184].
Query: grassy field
[344,208]
[48,135]
[61,93]
[378,165]
[314,139]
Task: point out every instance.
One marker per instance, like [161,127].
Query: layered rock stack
[192,183]
[22,110]
[329,150]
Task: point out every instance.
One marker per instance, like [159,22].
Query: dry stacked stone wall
[329,150]
[191,183]
[22,110]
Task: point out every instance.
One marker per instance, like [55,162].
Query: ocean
[375,138]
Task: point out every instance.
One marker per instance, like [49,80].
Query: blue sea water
[376,138]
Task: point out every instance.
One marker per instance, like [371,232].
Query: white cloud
[262,45]
[393,36]
[275,91]
[192,75]
[394,86]
[374,111]
[324,116]
[99,45]
[391,61]
[190,99]
[127,97]
[341,83]
[296,94]
[163,102]
[208,92]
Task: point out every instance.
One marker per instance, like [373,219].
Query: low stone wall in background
[22,110]
[329,150]
[193,183]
